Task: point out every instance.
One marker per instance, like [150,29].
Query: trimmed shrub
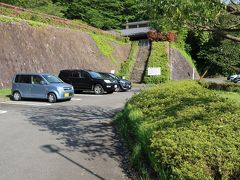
[158,58]
[183,131]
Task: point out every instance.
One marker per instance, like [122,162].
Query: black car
[123,84]
[87,80]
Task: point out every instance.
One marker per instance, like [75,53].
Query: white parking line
[26,103]
[76,99]
[87,95]
[2,112]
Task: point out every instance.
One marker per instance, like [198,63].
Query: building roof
[135,31]
[135,23]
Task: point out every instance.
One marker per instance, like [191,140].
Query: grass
[127,66]
[5,92]
[158,58]
[45,19]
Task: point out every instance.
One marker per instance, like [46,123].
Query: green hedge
[158,58]
[127,66]
[183,131]
[231,87]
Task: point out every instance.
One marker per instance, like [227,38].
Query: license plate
[66,94]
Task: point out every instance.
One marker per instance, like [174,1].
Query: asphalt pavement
[69,140]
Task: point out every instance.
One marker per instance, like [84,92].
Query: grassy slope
[127,66]
[158,58]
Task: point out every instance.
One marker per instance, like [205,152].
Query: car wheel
[98,89]
[17,96]
[52,98]
[118,89]
[235,80]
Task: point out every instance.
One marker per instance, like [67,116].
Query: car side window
[23,79]
[75,75]
[84,74]
[36,79]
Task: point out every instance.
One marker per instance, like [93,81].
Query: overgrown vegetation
[158,58]
[213,54]
[127,66]
[104,14]
[43,19]
[5,92]
[183,131]
[103,45]
[231,87]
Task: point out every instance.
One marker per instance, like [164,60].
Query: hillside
[30,46]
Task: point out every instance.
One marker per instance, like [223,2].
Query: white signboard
[154,71]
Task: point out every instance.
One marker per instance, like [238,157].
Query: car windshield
[107,76]
[95,74]
[52,79]
[114,76]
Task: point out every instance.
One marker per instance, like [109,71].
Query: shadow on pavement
[86,129]
[50,148]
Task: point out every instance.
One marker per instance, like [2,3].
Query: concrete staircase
[141,62]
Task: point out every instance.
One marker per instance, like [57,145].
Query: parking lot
[64,140]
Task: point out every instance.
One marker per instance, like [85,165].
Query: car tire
[118,89]
[52,98]
[16,96]
[98,89]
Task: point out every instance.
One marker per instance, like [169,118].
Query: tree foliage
[222,57]
[196,15]
[106,14]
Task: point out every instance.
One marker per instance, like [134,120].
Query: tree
[105,14]
[220,56]
[196,15]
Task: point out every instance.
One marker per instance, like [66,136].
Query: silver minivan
[40,86]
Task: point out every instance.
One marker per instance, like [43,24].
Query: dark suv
[87,80]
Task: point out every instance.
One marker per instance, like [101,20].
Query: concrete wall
[179,67]
[24,48]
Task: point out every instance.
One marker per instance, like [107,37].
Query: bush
[183,131]
[158,58]
[231,87]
